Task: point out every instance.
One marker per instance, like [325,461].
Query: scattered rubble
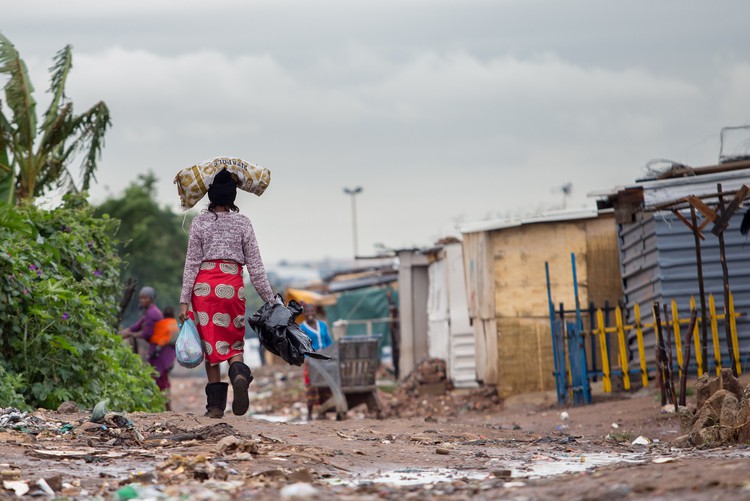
[722,415]
[31,423]
[426,392]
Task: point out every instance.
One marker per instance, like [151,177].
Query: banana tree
[35,158]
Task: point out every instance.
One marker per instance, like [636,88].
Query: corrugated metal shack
[507,290]
[434,316]
[657,249]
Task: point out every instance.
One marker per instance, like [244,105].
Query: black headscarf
[223,190]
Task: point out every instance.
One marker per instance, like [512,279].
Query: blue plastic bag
[189,346]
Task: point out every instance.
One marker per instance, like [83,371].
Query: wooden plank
[683,219]
[602,259]
[525,351]
[520,285]
[704,209]
[722,222]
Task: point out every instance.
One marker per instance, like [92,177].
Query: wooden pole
[715,332]
[670,371]
[686,358]
[701,288]
[662,354]
[659,366]
[641,350]
[725,274]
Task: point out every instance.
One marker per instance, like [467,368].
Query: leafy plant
[59,292]
[11,388]
[33,157]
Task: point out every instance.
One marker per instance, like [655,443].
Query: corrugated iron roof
[660,190]
[544,217]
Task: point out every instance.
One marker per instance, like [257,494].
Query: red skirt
[218,309]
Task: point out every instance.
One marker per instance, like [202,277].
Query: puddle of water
[534,468]
[273,418]
[547,466]
[421,476]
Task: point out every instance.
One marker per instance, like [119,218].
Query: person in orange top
[163,352]
[166,330]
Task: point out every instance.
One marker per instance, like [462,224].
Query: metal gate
[569,350]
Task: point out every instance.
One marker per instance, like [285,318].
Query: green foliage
[59,292]
[156,243]
[11,390]
[35,158]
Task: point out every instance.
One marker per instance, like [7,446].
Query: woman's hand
[183,312]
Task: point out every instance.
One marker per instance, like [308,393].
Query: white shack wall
[438,316]
[462,364]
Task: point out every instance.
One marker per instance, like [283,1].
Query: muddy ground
[522,448]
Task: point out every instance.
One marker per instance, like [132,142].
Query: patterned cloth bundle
[193,182]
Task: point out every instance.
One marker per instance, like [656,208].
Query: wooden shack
[507,291]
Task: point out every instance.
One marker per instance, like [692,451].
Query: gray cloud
[443,111]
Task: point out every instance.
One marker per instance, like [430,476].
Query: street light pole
[353,192]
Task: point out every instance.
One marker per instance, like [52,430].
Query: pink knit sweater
[228,236]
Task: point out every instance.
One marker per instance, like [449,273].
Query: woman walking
[221,241]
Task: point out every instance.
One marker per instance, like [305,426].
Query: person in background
[143,329]
[221,241]
[317,331]
[162,353]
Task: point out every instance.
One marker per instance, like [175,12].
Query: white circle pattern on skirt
[222,319]
[238,321]
[202,318]
[238,346]
[224,291]
[208,266]
[241,293]
[222,347]
[202,289]
[208,348]
[229,268]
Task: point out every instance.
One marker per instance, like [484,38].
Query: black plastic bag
[280,334]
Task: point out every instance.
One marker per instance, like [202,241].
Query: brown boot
[241,376]
[216,398]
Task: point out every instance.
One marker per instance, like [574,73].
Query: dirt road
[525,450]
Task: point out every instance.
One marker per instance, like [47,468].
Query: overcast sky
[443,111]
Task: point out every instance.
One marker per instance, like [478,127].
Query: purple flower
[97,273]
[32,267]
[39,273]
[65,316]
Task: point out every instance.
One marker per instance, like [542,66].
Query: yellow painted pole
[606,381]
[696,339]
[677,335]
[641,350]
[715,332]
[623,352]
[733,328]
